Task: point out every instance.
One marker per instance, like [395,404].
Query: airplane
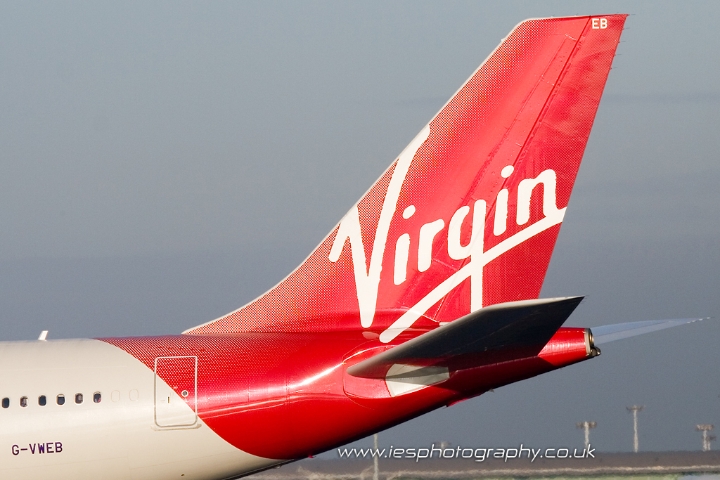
[424,294]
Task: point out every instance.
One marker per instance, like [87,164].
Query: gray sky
[163,163]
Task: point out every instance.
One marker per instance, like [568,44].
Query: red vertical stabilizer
[468,214]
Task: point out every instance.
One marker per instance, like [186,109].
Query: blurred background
[163,163]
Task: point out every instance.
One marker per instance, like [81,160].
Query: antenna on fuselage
[43,336]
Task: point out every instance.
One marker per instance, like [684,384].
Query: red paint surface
[530,105]
[287,395]
[271,376]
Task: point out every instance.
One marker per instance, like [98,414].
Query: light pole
[705,428]
[635,409]
[586,426]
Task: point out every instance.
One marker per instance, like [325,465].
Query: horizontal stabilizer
[610,333]
[511,330]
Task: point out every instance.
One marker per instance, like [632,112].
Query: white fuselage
[116,437]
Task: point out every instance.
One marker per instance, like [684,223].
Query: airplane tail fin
[468,214]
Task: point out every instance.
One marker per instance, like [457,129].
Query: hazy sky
[163,163]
